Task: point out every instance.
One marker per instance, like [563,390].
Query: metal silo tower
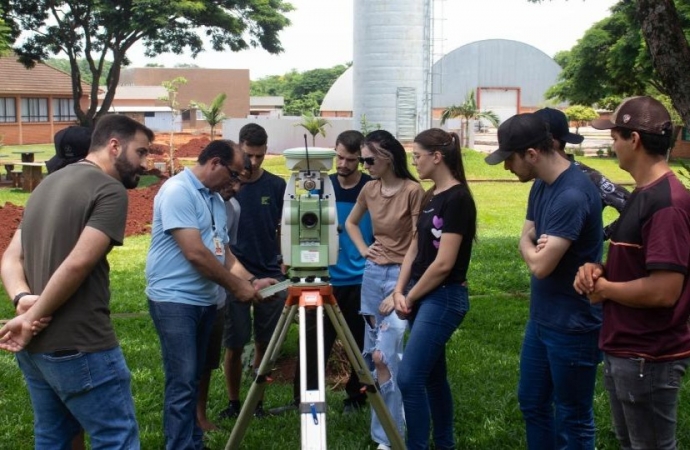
[391,62]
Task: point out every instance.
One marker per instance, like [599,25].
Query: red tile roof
[42,79]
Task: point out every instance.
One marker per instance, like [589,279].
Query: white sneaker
[383,447]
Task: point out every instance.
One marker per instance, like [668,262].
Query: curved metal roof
[487,63]
[494,63]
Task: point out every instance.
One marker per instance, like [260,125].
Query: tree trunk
[669,50]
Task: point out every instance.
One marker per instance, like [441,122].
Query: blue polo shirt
[183,202]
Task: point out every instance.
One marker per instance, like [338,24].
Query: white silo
[391,64]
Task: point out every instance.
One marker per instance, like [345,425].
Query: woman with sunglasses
[432,289]
[392,199]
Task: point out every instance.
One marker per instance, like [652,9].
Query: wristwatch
[15,300]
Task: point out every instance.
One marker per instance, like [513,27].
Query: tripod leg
[312,402]
[259,385]
[365,377]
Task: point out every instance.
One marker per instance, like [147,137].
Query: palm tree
[213,114]
[468,111]
[314,125]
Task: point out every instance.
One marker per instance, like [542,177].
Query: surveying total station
[309,242]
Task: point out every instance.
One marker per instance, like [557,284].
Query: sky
[321,32]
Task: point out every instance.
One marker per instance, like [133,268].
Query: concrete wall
[283,133]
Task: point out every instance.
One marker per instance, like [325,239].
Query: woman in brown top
[392,199]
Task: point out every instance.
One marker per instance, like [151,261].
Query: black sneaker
[231,412]
[353,405]
[259,412]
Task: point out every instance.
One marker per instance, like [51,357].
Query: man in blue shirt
[562,230]
[188,258]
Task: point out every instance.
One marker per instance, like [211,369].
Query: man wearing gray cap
[563,228]
[612,194]
[643,286]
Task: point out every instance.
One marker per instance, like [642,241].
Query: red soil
[140,210]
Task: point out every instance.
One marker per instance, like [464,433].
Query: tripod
[312,407]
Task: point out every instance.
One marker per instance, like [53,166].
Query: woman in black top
[432,290]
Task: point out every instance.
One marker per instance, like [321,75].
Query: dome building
[507,77]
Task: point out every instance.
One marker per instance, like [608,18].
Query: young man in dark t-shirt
[643,285]
[258,249]
[563,229]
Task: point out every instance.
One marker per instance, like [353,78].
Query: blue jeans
[385,335]
[423,379]
[184,332]
[80,390]
[556,390]
[644,400]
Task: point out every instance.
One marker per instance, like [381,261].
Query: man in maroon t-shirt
[645,335]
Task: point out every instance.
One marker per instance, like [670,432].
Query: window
[34,110]
[149,114]
[63,111]
[8,112]
[200,115]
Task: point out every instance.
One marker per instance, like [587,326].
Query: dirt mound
[139,214]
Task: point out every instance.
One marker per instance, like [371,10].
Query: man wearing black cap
[559,357]
[613,195]
[643,286]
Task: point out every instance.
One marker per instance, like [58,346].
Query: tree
[5,38]
[303,92]
[96,30]
[213,114]
[662,25]
[468,111]
[64,65]
[172,87]
[314,125]
[581,115]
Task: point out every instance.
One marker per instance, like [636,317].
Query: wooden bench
[9,168]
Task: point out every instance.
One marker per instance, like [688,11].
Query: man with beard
[559,357]
[188,258]
[56,266]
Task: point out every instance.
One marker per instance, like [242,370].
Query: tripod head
[309,237]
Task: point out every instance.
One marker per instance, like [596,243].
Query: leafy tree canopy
[5,38]
[611,60]
[64,65]
[303,92]
[98,29]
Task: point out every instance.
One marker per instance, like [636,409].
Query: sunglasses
[369,160]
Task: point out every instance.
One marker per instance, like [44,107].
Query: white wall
[283,132]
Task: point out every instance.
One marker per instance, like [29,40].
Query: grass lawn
[482,355]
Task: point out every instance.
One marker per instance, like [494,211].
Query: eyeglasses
[369,160]
[234,176]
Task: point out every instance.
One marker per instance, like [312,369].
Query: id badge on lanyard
[218,246]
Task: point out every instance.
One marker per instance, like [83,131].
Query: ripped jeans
[385,334]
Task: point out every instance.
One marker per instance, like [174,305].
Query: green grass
[45,151]
[482,355]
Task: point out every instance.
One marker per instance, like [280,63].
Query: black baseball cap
[558,125]
[519,132]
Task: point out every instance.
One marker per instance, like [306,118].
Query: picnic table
[27,155]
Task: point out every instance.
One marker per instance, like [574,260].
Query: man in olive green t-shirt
[56,266]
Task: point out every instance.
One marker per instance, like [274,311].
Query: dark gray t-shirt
[57,212]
